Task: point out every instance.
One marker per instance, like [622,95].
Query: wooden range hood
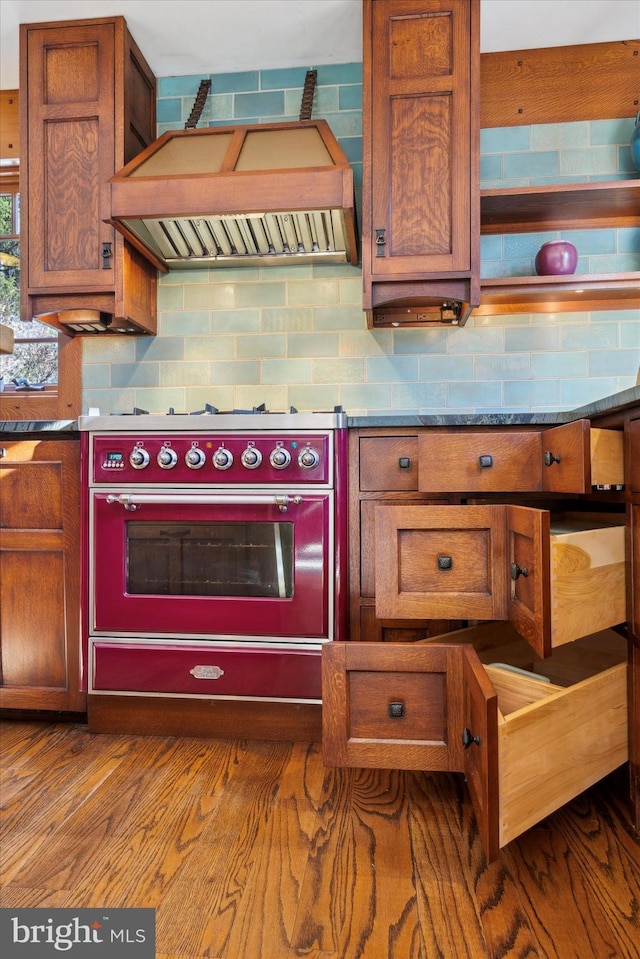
[275,193]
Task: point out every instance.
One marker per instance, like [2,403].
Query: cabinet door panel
[529,584]
[40,654]
[440,562]
[421,53]
[33,650]
[71,155]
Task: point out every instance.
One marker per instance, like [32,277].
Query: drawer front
[274,674]
[388,463]
[440,562]
[392,706]
[491,462]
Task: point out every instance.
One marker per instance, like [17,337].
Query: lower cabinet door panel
[529,733]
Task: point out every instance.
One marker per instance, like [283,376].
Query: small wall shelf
[582,206]
[574,206]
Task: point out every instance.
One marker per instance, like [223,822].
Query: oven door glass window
[252,559]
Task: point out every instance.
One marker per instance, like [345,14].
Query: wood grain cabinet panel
[420,160]
[529,734]
[40,576]
[88,107]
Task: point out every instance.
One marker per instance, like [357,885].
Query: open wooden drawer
[555,577]
[573,458]
[526,745]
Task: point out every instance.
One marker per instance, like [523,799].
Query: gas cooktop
[257,418]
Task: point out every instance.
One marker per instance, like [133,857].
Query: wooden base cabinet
[534,533]
[529,734]
[87,107]
[40,575]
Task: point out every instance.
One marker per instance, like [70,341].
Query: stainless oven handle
[131,501]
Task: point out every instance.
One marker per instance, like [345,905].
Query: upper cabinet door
[71,155]
[420,137]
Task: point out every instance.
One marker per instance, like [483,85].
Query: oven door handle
[131,501]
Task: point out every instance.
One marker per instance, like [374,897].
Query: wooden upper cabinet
[87,107]
[421,160]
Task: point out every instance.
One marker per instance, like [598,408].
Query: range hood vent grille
[239,196]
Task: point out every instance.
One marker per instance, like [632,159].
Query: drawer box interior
[587,575]
[561,728]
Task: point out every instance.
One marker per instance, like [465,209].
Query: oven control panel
[213,459]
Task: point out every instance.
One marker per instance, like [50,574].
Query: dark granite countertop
[617,401]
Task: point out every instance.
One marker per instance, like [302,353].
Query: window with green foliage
[35,354]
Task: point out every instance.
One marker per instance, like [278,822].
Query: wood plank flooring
[253,850]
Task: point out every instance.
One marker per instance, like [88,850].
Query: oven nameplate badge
[206,672]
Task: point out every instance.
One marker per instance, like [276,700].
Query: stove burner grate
[210,410]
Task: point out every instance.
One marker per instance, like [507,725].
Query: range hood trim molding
[230,192]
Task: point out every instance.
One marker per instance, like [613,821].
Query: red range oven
[215,552]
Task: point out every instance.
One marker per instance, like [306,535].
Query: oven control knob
[308,458]
[280,458]
[222,458]
[251,458]
[139,458]
[167,458]
[195,458]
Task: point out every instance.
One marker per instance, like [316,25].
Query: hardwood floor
[253,850]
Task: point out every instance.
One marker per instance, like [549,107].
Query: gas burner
[134,412]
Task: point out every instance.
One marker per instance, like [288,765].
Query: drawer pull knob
[485,461]
[550,458]
[445,562]
[468,739]
[518,571]
[396,710]
[404,462]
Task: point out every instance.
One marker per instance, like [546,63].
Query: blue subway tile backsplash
[296,335]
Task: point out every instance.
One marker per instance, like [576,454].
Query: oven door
[212,564]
